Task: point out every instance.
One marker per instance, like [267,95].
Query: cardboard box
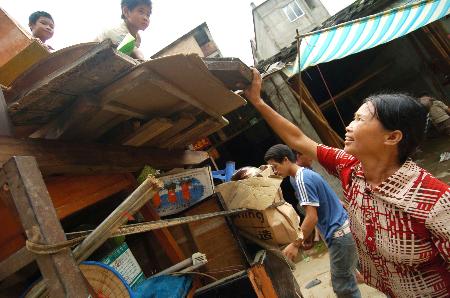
[182,190]
[270,218]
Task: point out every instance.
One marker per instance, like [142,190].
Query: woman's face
[365,134]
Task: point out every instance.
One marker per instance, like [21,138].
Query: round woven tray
[104,279]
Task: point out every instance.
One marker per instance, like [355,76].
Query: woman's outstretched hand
[253,91]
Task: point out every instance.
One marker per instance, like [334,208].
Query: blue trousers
[343,260]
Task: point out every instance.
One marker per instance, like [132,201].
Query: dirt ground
[318,266]
[315,264]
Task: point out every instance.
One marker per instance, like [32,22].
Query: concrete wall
[286,104]
[273,29]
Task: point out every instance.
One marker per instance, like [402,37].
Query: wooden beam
[120,108]
[56,157]
[99,124]
[40,101]
[179,125]
[342,95]
[64,126]
[74,193]
[327,134]
[175,91]
[261,282]
[15,262]
[165,238]
[146,76]
[200,130]
[148,131]
[41,224]
[118,217]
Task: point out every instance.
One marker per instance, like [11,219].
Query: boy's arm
[309,199]
[307,228]
[310,221]
[288,132]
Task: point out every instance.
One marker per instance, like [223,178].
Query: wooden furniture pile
[75,128]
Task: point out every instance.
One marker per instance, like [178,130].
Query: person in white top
[42,27]
[135,17]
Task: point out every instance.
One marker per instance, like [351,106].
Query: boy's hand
[253,92]
[308,243]
[138,55]
[291,251]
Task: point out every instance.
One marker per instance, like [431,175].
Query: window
[293,11]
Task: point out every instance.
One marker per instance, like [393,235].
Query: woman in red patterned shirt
[399,213]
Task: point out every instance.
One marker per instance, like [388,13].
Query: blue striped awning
[355,36]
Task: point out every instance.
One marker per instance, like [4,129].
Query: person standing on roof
[42,27]
[135,18]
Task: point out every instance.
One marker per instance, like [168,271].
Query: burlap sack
[270,218]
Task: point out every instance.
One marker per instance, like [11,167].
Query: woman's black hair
[404,113]
[32,19]
[278,153]
[131,4]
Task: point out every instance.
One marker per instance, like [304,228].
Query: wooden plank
[12,237]
[73,193]
[23,61]
[69,195]
[147,91]
[281,274]
[41,224]
[215,239]
[64,126]
[179,125]
[195,86]
[13,38]
[110,224]
[179,93]
[197,81]
[18,51]
[99,124]
[125,110]
[321,125]
[16,262]
[47,97]
[165,238]
[56,157]
[43,68]
[135,90]
[232,72]
[261,282]
[148,131]
[118,217]
[198,131]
